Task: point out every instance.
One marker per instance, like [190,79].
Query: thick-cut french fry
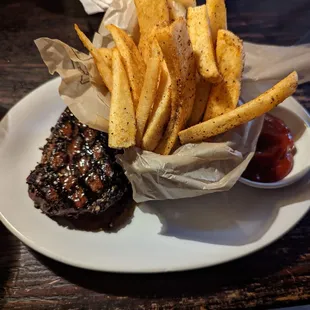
[122,122]
[200,35]
[165,40]
[201,98]
[144,47]
[146,40]
[176,9]
[224,96]
[132,59]
[178,54]
[151,14]
[160,113]
[106,53]
[104,70]
[148,92]
[187,3]
[217,16]
[245,113]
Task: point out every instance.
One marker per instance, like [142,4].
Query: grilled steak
[78,178]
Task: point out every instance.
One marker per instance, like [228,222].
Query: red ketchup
[273,159]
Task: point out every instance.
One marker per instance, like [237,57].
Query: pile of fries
[181,83]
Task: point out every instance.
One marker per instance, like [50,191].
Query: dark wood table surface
[276,276]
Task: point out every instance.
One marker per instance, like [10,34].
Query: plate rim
[136,270]
[180,268]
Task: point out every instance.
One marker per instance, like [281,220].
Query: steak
[78,182]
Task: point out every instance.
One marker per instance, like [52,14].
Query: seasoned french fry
[148,92]
[217,16]
[106,54]
[160,113]
[144,47]
[187,3]
[224,96]
[151,13]
[245,113]
[178,54]
[176,9]
[165,40]
[122,123]
[132,59]
[201,98]
[146,41]
[200,35]
[104,70]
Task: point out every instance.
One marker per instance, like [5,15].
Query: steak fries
[182,83]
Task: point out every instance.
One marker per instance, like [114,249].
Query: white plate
[190,233]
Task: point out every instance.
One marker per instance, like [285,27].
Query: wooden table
[276,276]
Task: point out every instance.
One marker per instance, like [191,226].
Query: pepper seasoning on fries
[182,83]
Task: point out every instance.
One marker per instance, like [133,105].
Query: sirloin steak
[78,178]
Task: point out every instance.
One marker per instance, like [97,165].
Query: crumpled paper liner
[95,6]
[193,169]
[81,86]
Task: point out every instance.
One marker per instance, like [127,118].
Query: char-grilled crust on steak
[78,178]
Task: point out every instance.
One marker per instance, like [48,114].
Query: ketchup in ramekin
[273,159]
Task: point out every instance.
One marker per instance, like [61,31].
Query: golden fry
[160,113]
[224,96]
[201,98]
[148,92]
[178,54]
[122,123]
[144,47]
[104,70]
[200,35]
[146,41]
[217,16]
[106,54]
[132,59]
[187,3]
[165,40]
[151,13]
[243,114]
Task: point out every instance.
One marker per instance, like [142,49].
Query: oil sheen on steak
[78,178]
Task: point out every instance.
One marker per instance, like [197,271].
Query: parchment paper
[96,6]
[193,169]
